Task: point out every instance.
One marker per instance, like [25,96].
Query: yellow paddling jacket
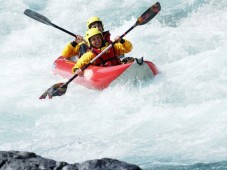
[73,49]
[118,48]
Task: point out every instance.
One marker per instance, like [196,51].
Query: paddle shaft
[38,17]
[62,29]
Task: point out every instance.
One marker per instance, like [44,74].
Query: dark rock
[16,160]
[106,164]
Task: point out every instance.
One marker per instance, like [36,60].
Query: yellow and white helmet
[92,20]
[91,32]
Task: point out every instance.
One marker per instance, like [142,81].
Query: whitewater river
[177,119]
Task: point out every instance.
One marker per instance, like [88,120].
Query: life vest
[106,36]
[107,59]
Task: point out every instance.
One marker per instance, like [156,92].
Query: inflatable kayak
[99,78]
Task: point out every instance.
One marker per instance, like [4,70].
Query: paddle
[44,20]
[59,89]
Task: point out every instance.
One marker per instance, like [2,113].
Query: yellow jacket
[71,50]
[88,56]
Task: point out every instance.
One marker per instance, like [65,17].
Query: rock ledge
[17,160]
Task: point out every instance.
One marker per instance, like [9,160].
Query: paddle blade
[55,90]
[149,14]
[37,17]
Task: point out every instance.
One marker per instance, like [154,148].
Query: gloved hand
[119,39]
[78,39]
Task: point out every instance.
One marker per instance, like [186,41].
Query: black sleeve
[73,43]
[122,41]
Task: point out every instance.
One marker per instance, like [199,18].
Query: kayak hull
[99,78]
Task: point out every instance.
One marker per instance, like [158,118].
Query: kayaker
[78,46]
[97,45]
[95,22]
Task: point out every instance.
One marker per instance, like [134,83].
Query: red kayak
[99,78]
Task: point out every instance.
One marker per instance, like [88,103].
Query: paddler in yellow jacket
[97,45]
[78,47]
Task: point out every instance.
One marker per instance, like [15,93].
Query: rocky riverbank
[17,160]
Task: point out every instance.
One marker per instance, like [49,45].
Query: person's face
[97,25]
[96,41]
